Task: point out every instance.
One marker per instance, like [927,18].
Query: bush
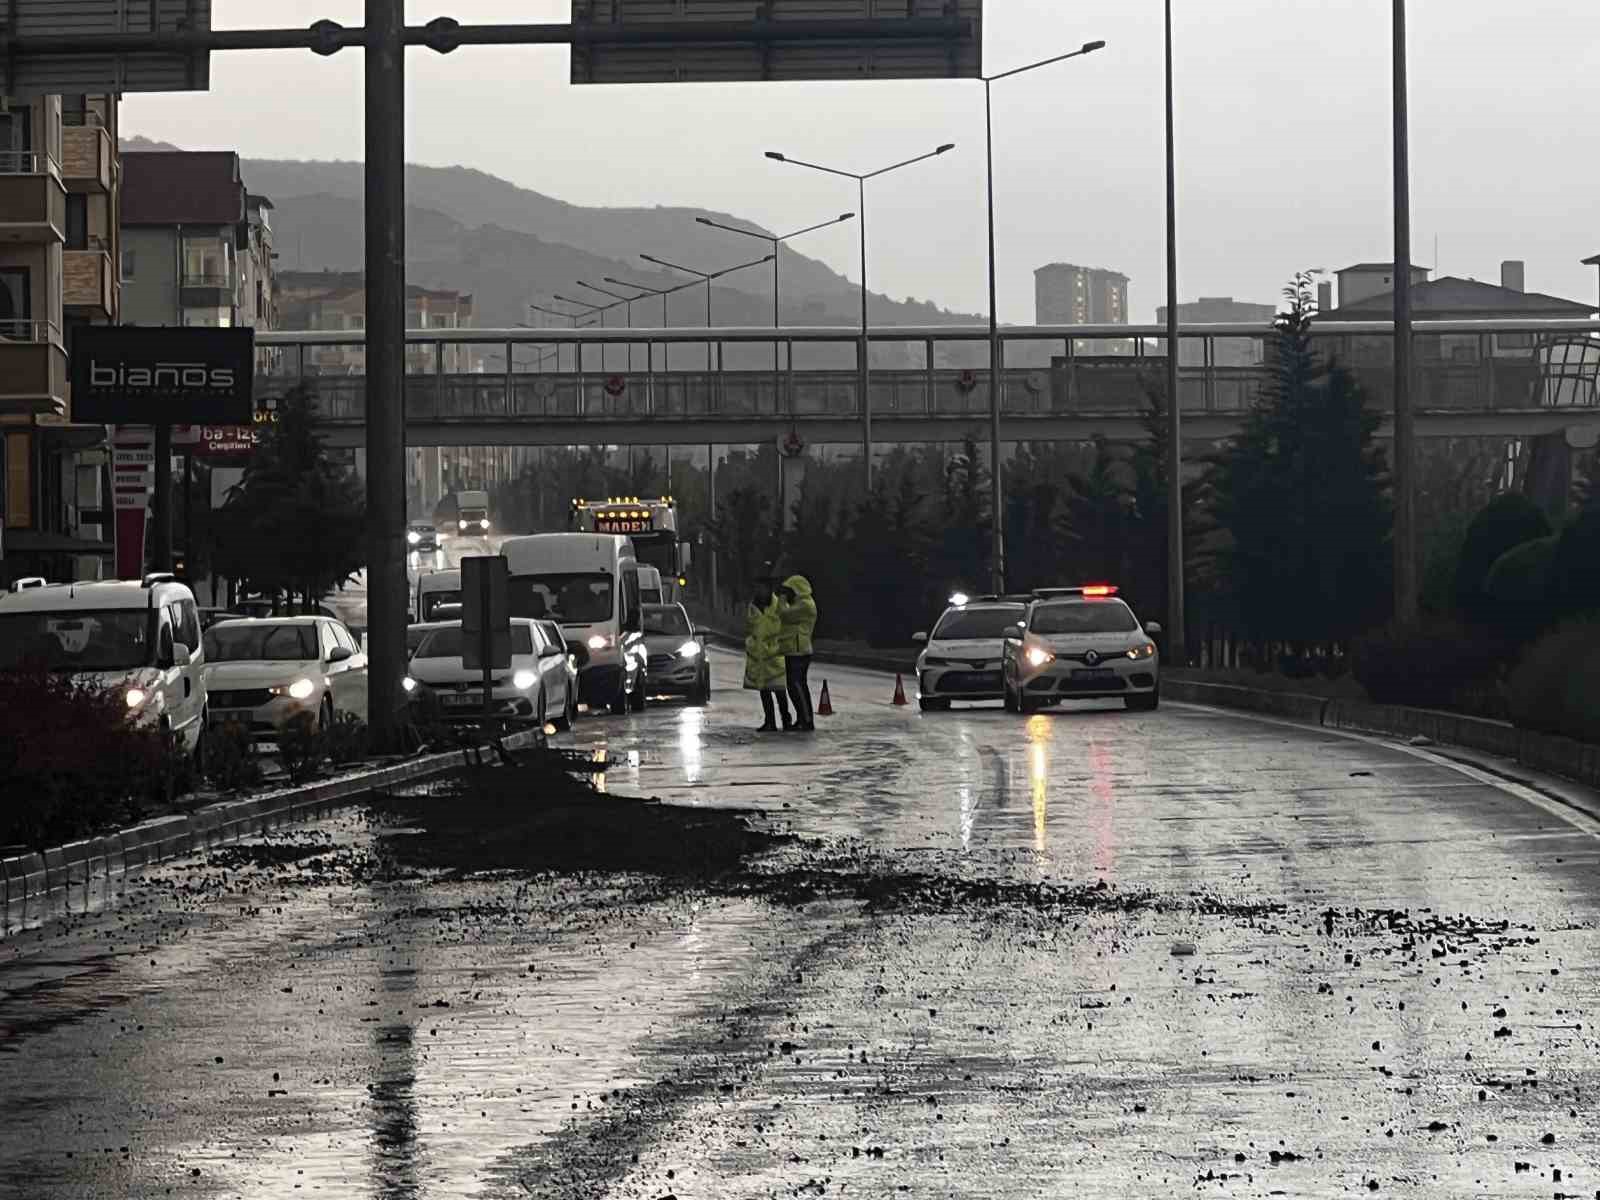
[72,759]
[1574,581]
[300,748]
[1553,689]
[1431,667]
[230,759]
[1518,587]
[1507,521]
[347,739]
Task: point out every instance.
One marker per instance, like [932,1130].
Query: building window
[16,139]
[77,221]
[16,304]
[127,264]
[1514,341]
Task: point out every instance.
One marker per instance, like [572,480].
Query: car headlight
[134,696]
[461,524]
[1038,656]
[413,537]
[689,649]
[1148,650]
[598,642]
[484,524]
[409,684]
[523,680]
[300,689]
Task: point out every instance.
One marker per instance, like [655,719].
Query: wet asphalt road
[1149,954]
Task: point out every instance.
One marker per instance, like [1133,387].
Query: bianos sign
[146,375]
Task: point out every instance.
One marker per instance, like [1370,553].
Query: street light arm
[776,157]
[919,158]
[839,220]
[661,262]
[754,262]
[587,307]
[602,291]
[638,287]
[765,237]
[1087,48]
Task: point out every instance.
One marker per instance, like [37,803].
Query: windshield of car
[577,598]
[108,640]
[241,642]
[1089,616]
[446,643]
[667,618]
[432,600]
[976,623]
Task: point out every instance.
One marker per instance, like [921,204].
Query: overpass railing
[467,376]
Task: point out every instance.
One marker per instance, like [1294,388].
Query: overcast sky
[1283,137]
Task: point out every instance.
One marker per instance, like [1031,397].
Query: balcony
[33,369]
[33,202]
[206,289]
[88,159]
[88,282]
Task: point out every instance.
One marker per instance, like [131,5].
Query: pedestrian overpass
[663,387]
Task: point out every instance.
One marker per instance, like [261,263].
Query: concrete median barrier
[1297,706]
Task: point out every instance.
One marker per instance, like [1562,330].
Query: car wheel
[1144,702]
[701,691]
[636,702]
[325,715]
[1025,703]
[542,712]
[197,760]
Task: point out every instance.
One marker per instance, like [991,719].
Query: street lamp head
[946,146]
[650,258]
[702,220]
[1091,47]
[775,156]
[847,216]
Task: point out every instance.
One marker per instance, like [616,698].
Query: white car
[1081,643]
[536,688]
[567,670]
[141,638]
[960,659]
[263,671]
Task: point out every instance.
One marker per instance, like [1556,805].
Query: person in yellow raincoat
[763,664]
[797,614]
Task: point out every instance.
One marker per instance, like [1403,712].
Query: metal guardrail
[29,331]
[205,279]
[25,162]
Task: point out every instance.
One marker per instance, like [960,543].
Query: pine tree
[1298,497]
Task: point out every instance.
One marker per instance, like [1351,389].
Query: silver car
[533,690]
[678,665]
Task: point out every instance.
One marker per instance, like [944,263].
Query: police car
[960,659]
[1080,643]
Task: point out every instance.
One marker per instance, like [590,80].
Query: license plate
[1094,673]
[463,701]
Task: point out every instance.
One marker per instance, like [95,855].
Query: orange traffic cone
[899,690]
[824,703]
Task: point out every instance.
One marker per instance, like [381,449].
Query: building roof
[1450,296]
[182,187]
[1064,266]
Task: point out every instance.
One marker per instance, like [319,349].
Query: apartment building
[196,244]
[1067,294]
[334,300]
[60,183]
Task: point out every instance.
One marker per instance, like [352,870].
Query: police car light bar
[1089,589]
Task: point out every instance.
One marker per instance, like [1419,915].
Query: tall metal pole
[997,567]
[161,502]
[385,403]
[1177,635]
[1405,512]
[863,379]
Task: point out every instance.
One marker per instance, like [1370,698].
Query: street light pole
[775,241]
[628,300]
[863,372]
[1177,634]
[1405,510]
[708,276]
[997,488]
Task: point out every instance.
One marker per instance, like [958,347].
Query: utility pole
[1405,489]
[1177,635]
[386,381]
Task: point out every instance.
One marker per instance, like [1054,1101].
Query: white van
[436,588]
[141,638]
[589,583]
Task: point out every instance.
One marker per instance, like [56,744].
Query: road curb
[31,881]
[1563,757]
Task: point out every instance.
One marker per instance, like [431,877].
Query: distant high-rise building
[1064,294]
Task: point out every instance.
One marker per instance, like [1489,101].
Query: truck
[652,526]
[464,513]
